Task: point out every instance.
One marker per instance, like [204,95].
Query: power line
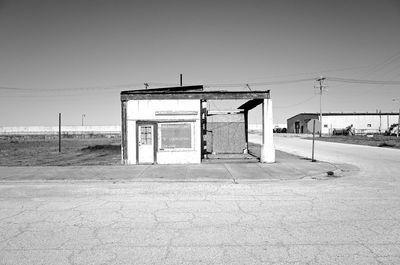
[296,104]
[267,83]
[383,64]
[231,85]
[127,86]
[361,81]
[89,88]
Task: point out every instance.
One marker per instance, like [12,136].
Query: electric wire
[296,104]
[383,64]
[245,84]
[362,81]
[20,90]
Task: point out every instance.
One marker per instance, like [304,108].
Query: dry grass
[376,140]
[75,151]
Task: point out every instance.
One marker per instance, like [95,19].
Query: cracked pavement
[349,220]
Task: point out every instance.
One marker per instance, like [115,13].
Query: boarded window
[175,136]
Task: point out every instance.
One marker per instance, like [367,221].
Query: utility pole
[320,80]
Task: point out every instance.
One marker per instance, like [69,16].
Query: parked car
[279,130]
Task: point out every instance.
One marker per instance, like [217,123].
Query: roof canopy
[251,104]
[190,92]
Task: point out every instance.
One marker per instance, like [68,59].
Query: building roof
[346,114]
[177,89]
[191,92]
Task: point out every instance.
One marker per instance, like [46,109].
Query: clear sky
[73,55]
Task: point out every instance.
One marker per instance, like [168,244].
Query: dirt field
[75,151]
[376,140]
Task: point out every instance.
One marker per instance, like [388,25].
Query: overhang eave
[208,95]
[251,104]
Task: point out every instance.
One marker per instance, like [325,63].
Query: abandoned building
[173,125]
[363,122]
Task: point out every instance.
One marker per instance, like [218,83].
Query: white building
[362,122]
[169,125]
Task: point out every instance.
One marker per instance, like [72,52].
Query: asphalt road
[375,163]
[353,219]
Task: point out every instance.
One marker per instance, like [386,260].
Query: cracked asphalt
[350,220]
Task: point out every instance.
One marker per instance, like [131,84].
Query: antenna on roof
[248,86]
[146,85]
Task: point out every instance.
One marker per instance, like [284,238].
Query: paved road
[350,220]
[375,163]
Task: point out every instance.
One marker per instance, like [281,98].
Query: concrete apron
[221,172]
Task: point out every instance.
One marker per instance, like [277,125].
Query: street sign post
[311,127]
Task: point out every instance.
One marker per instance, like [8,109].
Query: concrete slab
[287,167]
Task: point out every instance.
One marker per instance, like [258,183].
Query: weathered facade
[362,122]
[170,125]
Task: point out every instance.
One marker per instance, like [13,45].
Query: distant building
[173,126]
[362,122]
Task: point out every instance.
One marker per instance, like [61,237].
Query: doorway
[296,127]
[146,144]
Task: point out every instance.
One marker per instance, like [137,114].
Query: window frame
[147,140]
[192,135]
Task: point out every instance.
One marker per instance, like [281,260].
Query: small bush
[384,144]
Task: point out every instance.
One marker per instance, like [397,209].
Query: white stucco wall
[131,141]
[159,111]
[360,122]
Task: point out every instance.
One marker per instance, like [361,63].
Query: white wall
[164,110]
[359,122]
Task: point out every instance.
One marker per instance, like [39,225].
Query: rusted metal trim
[212,95]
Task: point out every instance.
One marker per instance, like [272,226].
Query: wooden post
[124,131]
[246,130]
[59,132]
[398,124]
[313,140]
[181,79]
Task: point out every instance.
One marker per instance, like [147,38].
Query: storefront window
[176,136]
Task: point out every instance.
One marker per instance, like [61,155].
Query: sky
[74,57]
